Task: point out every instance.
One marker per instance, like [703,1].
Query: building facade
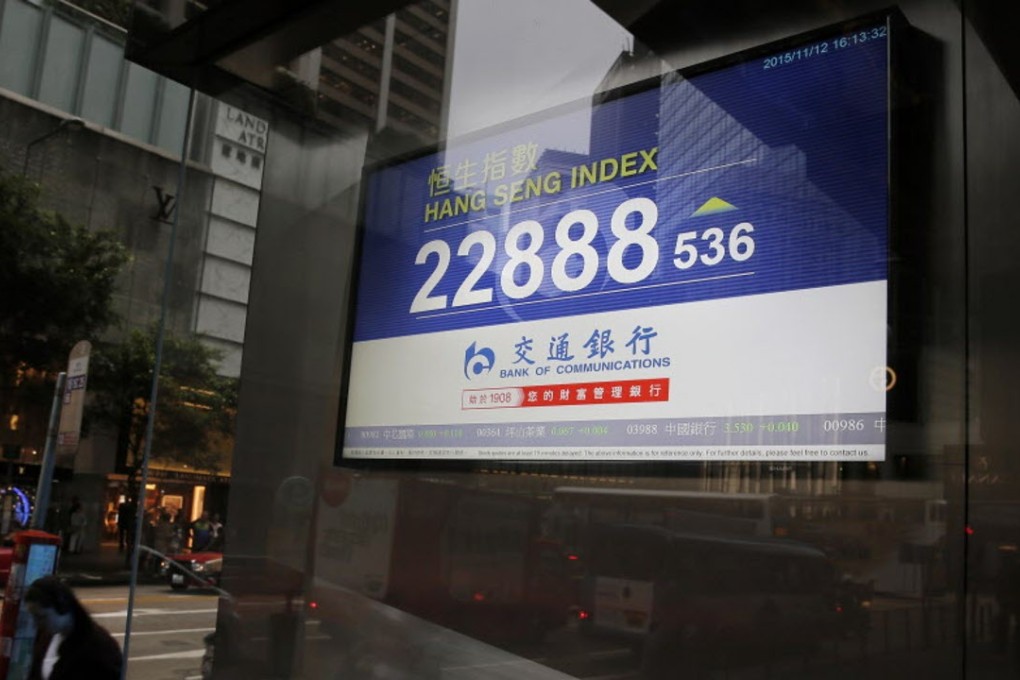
[119,170]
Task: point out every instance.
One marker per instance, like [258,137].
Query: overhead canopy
[235,41]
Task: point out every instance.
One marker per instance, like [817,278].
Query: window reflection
[830,565]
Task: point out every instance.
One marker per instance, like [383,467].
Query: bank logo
[478,361]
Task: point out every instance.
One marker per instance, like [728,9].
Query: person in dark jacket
[69,644]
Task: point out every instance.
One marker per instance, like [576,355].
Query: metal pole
[42,490]
[150,425]
[71,124]
[28,149]
[386,73]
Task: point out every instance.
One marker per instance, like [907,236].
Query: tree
[195,407]
[57,281]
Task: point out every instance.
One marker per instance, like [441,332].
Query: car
[192,569]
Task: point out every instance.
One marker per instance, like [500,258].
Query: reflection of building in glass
[705,151]
[609,124]
[391,73]
[699,134]
[73,61]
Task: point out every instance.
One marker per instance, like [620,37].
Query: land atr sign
[242,127]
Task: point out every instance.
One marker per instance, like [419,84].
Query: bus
[729,514]
[685,599]
[895,544]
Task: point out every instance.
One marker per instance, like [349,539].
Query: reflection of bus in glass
[498,572]
[894,543]
[687,597]
[730,514]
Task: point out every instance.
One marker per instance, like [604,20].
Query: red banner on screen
[569,394]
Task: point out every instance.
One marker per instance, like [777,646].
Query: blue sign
[767,176]
[750,182]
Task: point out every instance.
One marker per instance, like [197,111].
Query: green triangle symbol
[712,206]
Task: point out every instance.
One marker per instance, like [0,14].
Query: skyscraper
[389,74]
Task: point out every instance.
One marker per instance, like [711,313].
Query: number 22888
[524,270]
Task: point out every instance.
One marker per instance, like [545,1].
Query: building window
[225,150]
[242,157]
[256,162]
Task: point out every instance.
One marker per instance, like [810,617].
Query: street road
[167,631]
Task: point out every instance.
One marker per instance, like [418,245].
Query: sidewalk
[106,566]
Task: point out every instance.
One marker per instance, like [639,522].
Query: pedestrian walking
[177,535]
[217,532]
[76,529]
[148,562]
[69,644]
[126,524]
[201,533]
[164,533]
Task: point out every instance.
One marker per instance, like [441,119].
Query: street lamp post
[69,124]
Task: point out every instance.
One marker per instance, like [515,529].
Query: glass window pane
[19,37]
[61,65]
[139,101]
[100,100]
[173,117]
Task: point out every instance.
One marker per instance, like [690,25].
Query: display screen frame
[897,29]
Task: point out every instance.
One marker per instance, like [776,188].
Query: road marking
[190,654]
[165,632]
[144,598]
[152,612]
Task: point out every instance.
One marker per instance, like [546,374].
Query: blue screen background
[799,150]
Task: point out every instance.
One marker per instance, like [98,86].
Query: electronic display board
[707,280]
